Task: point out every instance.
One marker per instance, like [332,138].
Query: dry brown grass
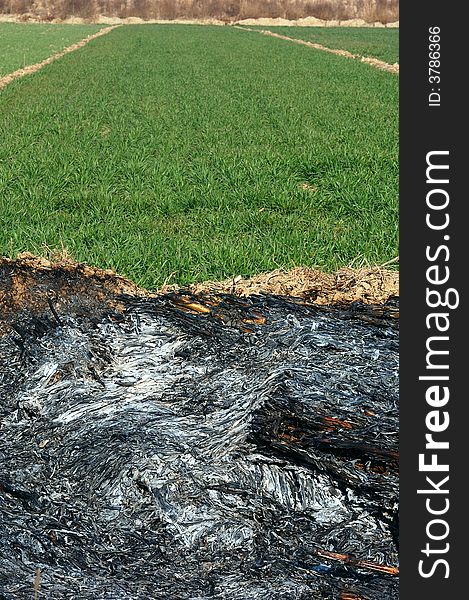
[371,285]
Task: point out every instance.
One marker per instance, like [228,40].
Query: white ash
[174,456]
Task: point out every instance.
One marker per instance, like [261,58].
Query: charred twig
[53,311]
[17,492]
[349,560]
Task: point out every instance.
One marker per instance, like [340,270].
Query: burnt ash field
[246,451]
[187,153]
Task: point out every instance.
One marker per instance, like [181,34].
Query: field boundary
[261,21]
[29,69]
[374,62]
[32,277]
[27,282]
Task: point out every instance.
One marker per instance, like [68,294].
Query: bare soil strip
[374,62]
[261,21]
[6,79]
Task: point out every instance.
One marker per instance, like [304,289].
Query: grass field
[28,43]
[197,152]
[382,43]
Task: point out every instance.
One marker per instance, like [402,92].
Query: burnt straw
[200,447]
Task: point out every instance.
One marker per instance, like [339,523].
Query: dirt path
[6,79]
[374,62]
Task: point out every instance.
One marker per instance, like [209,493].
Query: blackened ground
[200,447]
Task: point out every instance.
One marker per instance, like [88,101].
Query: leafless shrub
[48,18]
[166,9]
[83,8]
[369,10]
[387,11]
[16,6]
[295,10]
[233,8]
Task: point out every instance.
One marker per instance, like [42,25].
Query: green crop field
[28,43]
[200,152]
[379,42]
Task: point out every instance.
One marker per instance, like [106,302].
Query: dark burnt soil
[31,285]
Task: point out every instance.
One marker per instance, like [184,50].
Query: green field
[28,43]
[182,152]
[379,42]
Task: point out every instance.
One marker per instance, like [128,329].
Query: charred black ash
[195,447]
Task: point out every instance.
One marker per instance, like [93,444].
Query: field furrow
[380,43]
[374,62]
[29,69]
[23,44]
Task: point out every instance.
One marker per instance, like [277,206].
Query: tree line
[370,10]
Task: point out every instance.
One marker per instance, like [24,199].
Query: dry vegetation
[385,11]
[31,283]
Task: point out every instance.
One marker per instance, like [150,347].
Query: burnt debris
[200,447]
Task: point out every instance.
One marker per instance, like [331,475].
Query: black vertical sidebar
[434,430]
